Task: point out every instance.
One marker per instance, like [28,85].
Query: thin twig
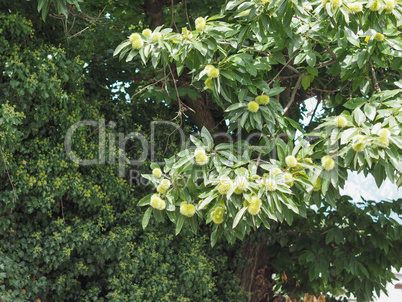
[78,33]
[293,69]
[146,87]
[5,164]
[182,106]
[292,97]
[280,71]
[81,15]
[173,22]
[374,77]
[93,132]
[188,20]
[333,55]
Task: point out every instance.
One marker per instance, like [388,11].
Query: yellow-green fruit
[241,184]
[200,20]
[253,209]
[379,37]
[225,185]
[336,4]
[327,162]
[253,106]
[147,32]
[389,6]
[291,161]
[157,172]
[255,201]
[384,133]
[213,72]
[165,183]
[200,156]
[187,210]
[199,152]
[200,26]
[134,37]
[270,185]
[217,215]
[317,185]
[355,7]
[358,143]
[137,44]
[275,171]
[340,121]
[161,189]
[157,203]
[262,100]
[155,37]
[384,140]
[208,83]
[202,160]
[376,6]
[288,179]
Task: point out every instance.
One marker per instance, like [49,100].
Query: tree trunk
[201,116]
[256,277]
[154,9]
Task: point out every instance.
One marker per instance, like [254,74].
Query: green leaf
[145,200]
[235,106]
[312,70]
[146,217]
[239,215]
[370,111]
[359,116]
[208,138]
[179,224]
[183,161]
[355,103]
[120,47]
[306,81]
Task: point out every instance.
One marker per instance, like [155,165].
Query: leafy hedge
[73,233]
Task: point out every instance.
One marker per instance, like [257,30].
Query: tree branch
[374,77]
[333,55]
[292,97]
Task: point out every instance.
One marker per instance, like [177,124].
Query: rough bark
[201,116]
[154,9]
[256,277]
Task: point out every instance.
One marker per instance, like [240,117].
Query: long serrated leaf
[206,201]
[235,106]
[146,217]
[207,137]
[239,215]
[120,47]
[359,116]
[183,161]
[179,224]
[145,200]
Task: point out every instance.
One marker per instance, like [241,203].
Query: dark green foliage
[74,233]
